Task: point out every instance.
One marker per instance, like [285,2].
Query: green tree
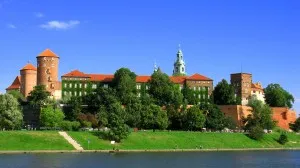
[296,125]
[276,96]
[102,116]
[74,108]
[17,94]
[153,117]
[39,96]
[194,119]
[125,83]
[261,115]
[10,114]
[283,138]
[133,110]
[116,122]
[215,118]
[51,117]
[224,94]
[256,132]
[188,95]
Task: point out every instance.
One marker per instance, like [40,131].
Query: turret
[47,70]
[28,79]
[179,65]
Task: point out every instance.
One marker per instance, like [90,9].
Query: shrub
[66,125]
[283,139]
[256,132]
[75,126]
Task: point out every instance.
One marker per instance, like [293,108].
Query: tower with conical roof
[28,79]
[179,65]
[47,70]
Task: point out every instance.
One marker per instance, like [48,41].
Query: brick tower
[242,83]
[28,79]
[47,70]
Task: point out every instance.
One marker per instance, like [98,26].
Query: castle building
[46,74]
[245,88]
[179,65]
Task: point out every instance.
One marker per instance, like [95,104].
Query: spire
[155,66]
[179,65]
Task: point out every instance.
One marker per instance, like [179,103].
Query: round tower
[47,70]
[28,79]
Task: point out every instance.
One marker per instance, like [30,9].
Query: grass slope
[33,140]
[184,140]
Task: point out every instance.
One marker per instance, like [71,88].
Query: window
[85,85]
[139,95]
[65,93]
[199,88]
[94,86]
[147,87]
[194,87]
[80,85]
[75,85]
[75,93]
[80,93]
[70,93]
[138,86]
[65,85]
[194,95]
[70,85]
[208,88]
[199,96]
[105,85]
[84,93]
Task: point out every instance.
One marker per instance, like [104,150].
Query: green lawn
[184,140]
[33,140]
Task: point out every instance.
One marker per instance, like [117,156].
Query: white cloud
[39,15]
[11,26]
[60,25]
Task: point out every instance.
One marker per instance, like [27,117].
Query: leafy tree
[16,94]
[296,125]
[176,97]
[153,117]
[116,122]
[276,96]
[176,117]
[261,116]
[51,117]
[102,116]
[256,132]
[194,119]
[38,97]
[283,138]
[10,114]
[215,118]
[224,94]
[125,83]
[74,108]
[133,110]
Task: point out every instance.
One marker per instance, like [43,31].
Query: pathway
[70,140]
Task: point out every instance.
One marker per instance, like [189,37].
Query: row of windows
[203,82]
[203,96]
[80,85]
[201,88]
[138,86]
[64,78]
[74,94]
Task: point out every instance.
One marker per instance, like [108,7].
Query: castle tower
[47,70]
[28,79]
[242,83]
[179,65]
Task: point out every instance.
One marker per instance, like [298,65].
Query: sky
[217,37]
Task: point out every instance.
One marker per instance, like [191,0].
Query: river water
[243,159]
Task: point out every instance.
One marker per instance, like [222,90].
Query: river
[241,159]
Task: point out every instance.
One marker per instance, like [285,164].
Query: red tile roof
[256,86]
[143,79]
[178,79]
[47,53]
[29,67]
[16,84]
[101,77]
[198,77]
[76,73]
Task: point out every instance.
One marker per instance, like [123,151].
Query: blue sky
[217,37]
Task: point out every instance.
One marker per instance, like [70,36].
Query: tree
[153,117]
[194,119]
[74,108]
[38,97]
[102,116]
[256,132]
[215,118]
[51,117]
[224,94]
[283,138]
[10,114]
[17,94]
[296,125]
[276,96]
[125,83]
[116,122]
[261,115]
[188,95]
[133,110]
[176,117]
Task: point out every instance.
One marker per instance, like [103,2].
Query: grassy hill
[184,140]
[33,140]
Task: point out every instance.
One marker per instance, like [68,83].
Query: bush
[256,132]
[283,139]
[70,126]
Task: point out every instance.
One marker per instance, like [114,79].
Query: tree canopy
[10,114]
[194,119]
[38,96]
[51,117]
[223,94]
[296,125]
[276,96]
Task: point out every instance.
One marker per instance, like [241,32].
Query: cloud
[11,26]
[39,15]
[60,25]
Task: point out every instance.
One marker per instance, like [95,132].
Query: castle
[46,73]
